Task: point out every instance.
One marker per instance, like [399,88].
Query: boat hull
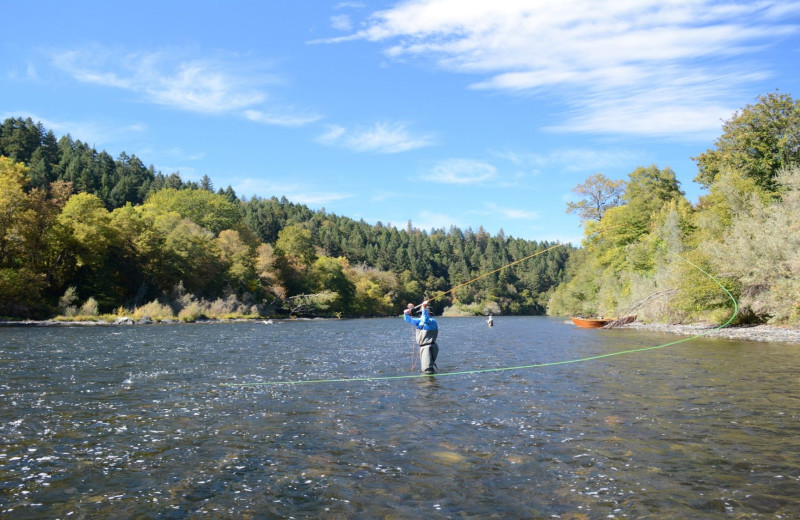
[591,323]
[599,323]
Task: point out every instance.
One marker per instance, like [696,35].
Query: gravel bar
[763,333]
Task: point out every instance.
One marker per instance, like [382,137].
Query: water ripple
[137,422]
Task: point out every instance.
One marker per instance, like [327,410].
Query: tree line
[83,233]
[744,232]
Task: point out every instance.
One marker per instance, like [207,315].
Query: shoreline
[127,322]
[757,333]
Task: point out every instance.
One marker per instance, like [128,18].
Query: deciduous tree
[759,141]
[598,194]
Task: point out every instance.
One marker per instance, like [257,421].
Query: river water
[147,422]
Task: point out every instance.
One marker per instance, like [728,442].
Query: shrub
[89,308]
[66,304]
[155,311]
[191,313]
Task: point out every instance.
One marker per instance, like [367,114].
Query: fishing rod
[412,307]
[515,262]
[519,367]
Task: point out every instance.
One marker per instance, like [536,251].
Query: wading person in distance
[427,330]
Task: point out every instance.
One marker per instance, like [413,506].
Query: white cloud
[644,66]
[224,84]
[30,71]
[281,119]
[570,159]
[341,22]
[511,213]
[333,134]
[379,138]
[297,193]
[462,171]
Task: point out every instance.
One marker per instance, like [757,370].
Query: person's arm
[407,314]
[425,312]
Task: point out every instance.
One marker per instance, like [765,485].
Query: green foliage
[73,216]
[473,309]
[731,197]
[209,210]
[296,241]
[88,232]
[317,304]
[66,304]
[89,308]
[760,250]
[239,259]
[330,274]
[115,182]
[698,297]
[13,206]
[191,312]
[194,256]
[21,293]
[757,142]
[656,254]
[154,310]
[598,194]
[623,246]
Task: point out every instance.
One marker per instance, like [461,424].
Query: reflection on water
[139,422]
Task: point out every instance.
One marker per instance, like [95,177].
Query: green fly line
[505,369]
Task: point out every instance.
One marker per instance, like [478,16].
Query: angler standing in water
[427,331]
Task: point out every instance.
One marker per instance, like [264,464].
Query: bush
[191,313]
[66,304]
[89,308]
[155,311]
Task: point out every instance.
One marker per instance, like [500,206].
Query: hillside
[84,233]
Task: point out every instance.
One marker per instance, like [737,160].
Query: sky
[443,113]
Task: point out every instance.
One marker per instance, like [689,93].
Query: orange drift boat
[599,323]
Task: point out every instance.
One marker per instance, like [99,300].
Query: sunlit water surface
[141,422]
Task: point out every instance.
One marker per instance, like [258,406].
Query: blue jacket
[426,322]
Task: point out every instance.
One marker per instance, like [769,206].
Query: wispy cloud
[96,133]
[511,213]
[643,67]
[354,5]
[213,85]
[341,22]
[279,119]
[29,74]
[569,160]
[298,193]
[462,171]
[379,138]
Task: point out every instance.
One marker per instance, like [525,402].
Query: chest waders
[428,350]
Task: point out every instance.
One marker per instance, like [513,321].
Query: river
[194,421]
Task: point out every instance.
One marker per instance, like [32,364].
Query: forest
[648,250]
[84,235]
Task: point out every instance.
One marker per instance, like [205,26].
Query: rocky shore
[763,333]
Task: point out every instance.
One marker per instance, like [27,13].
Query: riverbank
[761,333]
[124,321]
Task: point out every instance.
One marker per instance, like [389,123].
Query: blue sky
[441,112]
